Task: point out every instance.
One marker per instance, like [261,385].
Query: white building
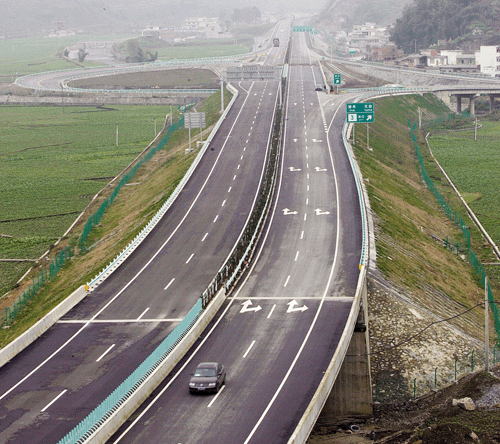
[489,60]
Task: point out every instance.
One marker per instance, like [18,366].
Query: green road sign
[302,29]
[360,112]
[337,79]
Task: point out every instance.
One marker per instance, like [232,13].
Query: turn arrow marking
[286,212]
[246,307]
[295,169]
[320,212]
[291,307]
[320,169]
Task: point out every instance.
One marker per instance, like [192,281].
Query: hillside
[339,14]
[465,24]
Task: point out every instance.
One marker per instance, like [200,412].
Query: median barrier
[34,332]
[105,426]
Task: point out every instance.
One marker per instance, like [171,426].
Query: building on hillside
[489,60]
[209,28]
[151,31]
[364,37]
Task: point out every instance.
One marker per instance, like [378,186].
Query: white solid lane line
[54,400]
[106,352]
[248,350]
[147,309]
[171,282]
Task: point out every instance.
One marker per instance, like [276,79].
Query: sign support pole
[368,136]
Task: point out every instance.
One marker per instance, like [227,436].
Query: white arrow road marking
[291,307]
[286,212]
[246,307]
[295,140]
[320,169]
[294,169]
[321,212]
[317,140]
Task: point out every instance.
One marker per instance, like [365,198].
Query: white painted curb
[30,335]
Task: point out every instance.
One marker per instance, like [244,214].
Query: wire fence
[97,216]
[455,217]
[46,275]
[390,388]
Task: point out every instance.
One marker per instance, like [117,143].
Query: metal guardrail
[359,186]
[129,249]
[476,77]
[158,65]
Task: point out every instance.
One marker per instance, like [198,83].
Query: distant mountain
[343,14]
[464,24]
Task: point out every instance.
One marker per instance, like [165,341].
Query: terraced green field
[474,167]
[52,162]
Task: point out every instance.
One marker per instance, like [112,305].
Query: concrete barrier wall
[116,420]
[29,336]
[312,412]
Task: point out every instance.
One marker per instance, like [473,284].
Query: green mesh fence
[47,274]
[97,216]
[455,217]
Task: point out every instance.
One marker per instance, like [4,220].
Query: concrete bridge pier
[351,395]
[492,98]
[472,103]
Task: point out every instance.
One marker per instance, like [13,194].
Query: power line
[422,331]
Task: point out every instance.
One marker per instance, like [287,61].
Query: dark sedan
[208,377]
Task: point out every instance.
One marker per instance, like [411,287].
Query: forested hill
[343,14]
[424,22]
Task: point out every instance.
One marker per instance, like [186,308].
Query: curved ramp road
[52,385]
[278,332]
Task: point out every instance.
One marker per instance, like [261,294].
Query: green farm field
[474,168]
[53,161]
[24,56]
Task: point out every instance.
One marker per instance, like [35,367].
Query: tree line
[424,22]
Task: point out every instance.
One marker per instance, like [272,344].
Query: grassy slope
[408,218]
[132,209]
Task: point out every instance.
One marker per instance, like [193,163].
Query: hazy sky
[37,15]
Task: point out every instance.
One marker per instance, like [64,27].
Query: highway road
[47,389]
[278,332]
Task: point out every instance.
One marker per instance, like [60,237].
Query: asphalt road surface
[277,334]
[52,385]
